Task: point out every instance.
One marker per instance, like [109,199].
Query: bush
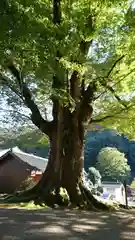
[92,180]
[94,176]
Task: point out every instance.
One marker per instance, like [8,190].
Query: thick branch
[57,82]
[36,117]
[74,85]
[56,11]
[88,94]
[76,90]
[86,109]
[83,87]
[84,46]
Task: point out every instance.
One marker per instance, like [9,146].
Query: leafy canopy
[30,39]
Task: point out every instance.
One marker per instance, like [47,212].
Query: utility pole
[126,199]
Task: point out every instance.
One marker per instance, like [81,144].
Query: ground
[22,224]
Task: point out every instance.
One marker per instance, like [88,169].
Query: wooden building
[16,166]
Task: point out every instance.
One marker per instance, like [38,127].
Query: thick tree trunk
[65,163]
[65,166]
[72,147]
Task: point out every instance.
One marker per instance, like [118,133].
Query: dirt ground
[20,224]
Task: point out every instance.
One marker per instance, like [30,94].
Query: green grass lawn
[29,205]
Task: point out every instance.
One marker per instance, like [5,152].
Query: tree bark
[65,165]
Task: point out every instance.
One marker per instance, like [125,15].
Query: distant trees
[28,139]
[113,165]
[94,176]
[96,140]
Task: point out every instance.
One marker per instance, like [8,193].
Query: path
[22,224]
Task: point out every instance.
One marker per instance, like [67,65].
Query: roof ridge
[17,150]
[29,154]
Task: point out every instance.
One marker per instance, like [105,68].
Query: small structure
[36,175]
[16,166]
[114,191]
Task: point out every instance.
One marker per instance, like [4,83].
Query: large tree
[57,53]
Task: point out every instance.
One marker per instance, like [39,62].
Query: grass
[29,205]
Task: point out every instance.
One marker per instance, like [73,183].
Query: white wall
[117,192]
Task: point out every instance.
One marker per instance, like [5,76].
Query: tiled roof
[31,159]
[3,152]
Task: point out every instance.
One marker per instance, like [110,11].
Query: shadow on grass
[21,224]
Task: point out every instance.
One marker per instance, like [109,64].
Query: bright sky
[132,2]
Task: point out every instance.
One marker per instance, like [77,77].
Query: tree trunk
[65,166]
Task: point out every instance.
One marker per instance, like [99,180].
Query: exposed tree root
[52,197]
[48,196]
[23,196]
[90,201]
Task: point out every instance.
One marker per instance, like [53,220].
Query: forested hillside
[31,141]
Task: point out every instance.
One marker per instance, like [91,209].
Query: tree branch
[14,111]
[86,108]
[126,75]
[113,66]
[5,80]
[84,46]
[36,117]
[104,84]
[56,11]
[103,118]
[74,85]
[83,87]
[88,94]
[111,115]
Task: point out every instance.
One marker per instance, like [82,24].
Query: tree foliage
[113,165]
[94,176]
[93,25]
[119,123]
